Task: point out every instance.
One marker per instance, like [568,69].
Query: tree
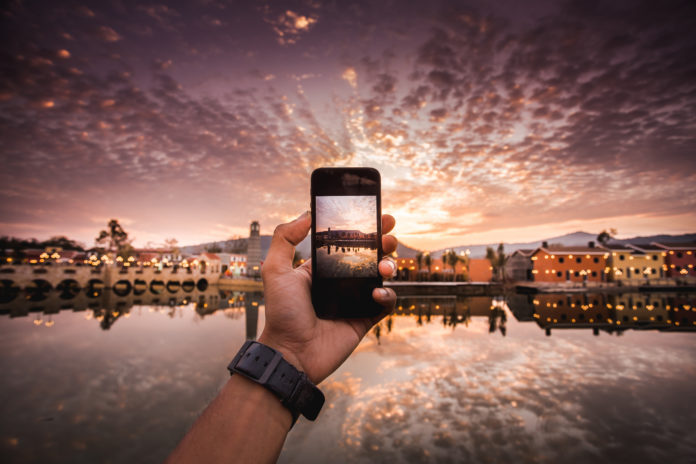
[497,260]
[115,239]
[450,257]
[428,263]
[606,235]
[173,245]
[419,260]
[213,248]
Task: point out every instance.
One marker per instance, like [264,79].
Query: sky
[351,212]
[489,121]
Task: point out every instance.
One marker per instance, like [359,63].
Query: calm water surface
[443,380]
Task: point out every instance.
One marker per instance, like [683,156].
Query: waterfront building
[569,264]
[680,258]
[407,268]
[632,264]
[233,264]
[209,262]
[480,270]
[518,266]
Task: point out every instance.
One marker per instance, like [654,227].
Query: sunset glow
[488,122]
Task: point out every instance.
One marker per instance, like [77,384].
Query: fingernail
[392,265]
[382,292]
[302,216]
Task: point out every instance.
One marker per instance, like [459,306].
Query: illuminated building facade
[680,258]
[569,264]
[634,264]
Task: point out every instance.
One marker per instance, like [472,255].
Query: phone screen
[346,241]
[346,236]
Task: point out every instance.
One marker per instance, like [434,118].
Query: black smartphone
[346,241]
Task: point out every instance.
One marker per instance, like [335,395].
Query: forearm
[245,423]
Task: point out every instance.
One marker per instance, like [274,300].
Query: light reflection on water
[439,381]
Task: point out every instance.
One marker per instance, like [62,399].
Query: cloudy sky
[488,120]
[347,213]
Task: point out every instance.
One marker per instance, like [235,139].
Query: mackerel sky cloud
[487,121]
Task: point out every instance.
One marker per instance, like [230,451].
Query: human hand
[313,345]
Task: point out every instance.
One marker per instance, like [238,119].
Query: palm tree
[428,263]
[419,260]
[450,257]
[497,260]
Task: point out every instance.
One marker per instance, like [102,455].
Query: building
[233,264]
[209,262]
[570,264]
[680,258]
[480,270]
[253,267]
[632,264]
[646,262]
[407,269]
[518,266]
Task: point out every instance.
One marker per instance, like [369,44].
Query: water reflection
[107,305]
[442,379]
[611,313]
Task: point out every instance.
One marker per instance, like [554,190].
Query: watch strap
[266,366]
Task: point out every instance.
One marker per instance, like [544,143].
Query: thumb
[285,238]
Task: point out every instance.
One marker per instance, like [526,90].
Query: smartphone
[346,241]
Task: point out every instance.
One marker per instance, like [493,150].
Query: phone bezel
[348,297]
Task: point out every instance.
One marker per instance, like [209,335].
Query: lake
[522,378]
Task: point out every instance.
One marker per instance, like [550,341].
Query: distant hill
[477,251]
[574,239]
[239,245]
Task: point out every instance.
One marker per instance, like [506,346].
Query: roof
[646,247]
[571,250]
[526,252]
[675,246]
[618,247]
[210,256]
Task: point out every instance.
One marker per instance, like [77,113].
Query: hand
[316,346]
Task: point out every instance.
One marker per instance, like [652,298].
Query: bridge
[70,280]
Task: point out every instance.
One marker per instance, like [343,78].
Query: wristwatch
[266,366]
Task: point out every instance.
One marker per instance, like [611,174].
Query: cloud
[288,25]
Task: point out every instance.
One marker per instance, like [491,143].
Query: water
[443,380]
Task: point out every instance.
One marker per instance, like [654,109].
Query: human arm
[246,422]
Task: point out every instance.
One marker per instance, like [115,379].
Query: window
[654,271]
[622,257]
[596,260]
[578,260]
[559,273]
[594,273]
[654,257]
[679,254]
[561,259]
[577,274]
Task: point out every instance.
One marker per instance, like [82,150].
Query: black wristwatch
[266,366]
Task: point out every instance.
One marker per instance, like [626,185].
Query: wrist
[288,354]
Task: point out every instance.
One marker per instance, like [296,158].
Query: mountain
[239,245]
[575,239]
[476,251]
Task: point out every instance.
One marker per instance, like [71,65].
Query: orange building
[407,269]
[480,270]
[569,264]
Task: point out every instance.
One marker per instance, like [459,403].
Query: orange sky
[488,123]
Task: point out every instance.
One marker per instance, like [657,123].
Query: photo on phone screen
[346,236]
